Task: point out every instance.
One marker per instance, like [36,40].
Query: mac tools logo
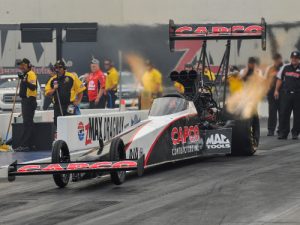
[216,141]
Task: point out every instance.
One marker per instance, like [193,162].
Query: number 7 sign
[191,48]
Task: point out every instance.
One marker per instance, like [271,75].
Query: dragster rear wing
[222,31]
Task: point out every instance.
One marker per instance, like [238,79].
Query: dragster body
[172,132]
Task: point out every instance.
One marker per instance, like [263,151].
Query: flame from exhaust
[137,65]
[244,103]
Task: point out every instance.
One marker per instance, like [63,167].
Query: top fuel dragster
[179,126]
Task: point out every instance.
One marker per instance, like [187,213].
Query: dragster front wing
[16,169]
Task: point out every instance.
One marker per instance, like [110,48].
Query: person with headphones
[28,93]
[66,90]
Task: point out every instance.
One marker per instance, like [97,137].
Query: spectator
[289,78]
[111,84]
[271,73]
[152,80]
[96,86]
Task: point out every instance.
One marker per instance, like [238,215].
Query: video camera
[52,68]
[21,75]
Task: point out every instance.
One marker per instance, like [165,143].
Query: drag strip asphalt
[263,189]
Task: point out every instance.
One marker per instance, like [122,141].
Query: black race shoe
[22,149]
[281,137]
[295,137]
[270,133]
[33,148]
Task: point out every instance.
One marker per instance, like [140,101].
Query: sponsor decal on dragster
[135,152]
[180,139]
[186,140]
[76,166]
[100,127]
[218,141]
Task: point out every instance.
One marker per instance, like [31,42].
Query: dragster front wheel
[116,153]
[60,154]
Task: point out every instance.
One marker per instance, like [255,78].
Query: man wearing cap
[66,90]
[111,84]
[152,80]
[96,86]
[28,93]
[289,80]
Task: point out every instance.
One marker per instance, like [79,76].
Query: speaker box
[42,136]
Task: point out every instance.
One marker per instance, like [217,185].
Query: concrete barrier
[83,132]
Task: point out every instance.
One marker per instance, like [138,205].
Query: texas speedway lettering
[105,127]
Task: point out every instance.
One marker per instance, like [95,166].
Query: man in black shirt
[65,89]
[289,80]
[251,69]
[28,93]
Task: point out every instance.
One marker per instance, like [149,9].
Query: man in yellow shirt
[234,80]
[208,75]
[28,93]
[111,83]
[152,80]
[66,90]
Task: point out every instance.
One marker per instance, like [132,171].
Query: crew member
[208,75]
[96,86]
[234,80]
[289,79]
[152,80]
[28,93]
[251,69]
[273,103]
[245,74]
[111,83]
[66,90]
[178,86]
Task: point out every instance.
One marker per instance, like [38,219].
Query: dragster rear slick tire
[116,153]
[245,136]
[60,153]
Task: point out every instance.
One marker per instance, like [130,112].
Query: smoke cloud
[244,103]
